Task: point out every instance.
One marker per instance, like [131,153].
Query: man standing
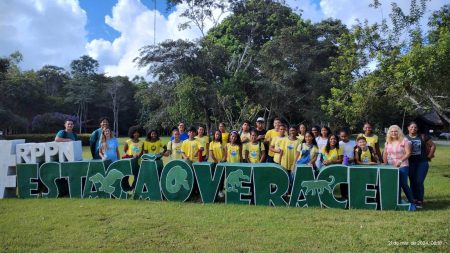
[67,134]
[96,136]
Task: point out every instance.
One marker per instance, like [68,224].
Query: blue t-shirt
[110,153]
[66,135]
[184,136]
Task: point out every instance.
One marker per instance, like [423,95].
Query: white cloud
[135,23]
[45,32]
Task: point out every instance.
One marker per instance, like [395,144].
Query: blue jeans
[403,173]
[417,172]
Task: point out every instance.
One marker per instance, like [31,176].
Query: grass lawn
[81,225]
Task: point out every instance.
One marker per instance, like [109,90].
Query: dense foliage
[263,59]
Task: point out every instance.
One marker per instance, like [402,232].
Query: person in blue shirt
[67,134]
[109,146]
[182,129]
[95,138]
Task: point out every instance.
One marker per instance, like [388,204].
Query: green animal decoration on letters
[317,186]
[176,178]
[108,181]
[233,180]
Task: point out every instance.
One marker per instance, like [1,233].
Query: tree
[83,86]
[410,75]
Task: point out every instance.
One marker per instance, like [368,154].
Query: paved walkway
[442,142]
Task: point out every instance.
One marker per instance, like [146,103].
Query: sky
[55,32]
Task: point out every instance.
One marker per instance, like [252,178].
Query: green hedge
[45,138]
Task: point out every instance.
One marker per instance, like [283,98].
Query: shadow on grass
[436,204]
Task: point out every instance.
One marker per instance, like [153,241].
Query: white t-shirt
[321,142]
[348,148]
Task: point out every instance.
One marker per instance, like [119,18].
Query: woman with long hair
[397,150]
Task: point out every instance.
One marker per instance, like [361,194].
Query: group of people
[286,146]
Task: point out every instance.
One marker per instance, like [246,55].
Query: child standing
[287,156]
[224,133]
[347,146]
[275,143]
[174,146]
[331,153]
[134,148]
[204,141]
[109,146]
[233,150]
[255,151]
[153,145]
[216,148]
[191,146]
[307,151]
[372,139]
[364,154]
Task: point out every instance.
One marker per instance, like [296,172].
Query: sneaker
[221,194]
[419,204]
[412,207]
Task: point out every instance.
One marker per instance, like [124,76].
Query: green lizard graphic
[176,178]
[317,186]
[108,181]
[233,180]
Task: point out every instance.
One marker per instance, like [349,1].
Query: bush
[84,138]
[51,122]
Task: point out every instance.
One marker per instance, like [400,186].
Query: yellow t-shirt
[254,151]
[300,138]
[272,133]
[203,140]
[175,150]
[366,157]
[153,147]
[217,149]
[233,155]
[371,141]
[289,147]
[333,154]
[313,151]
[190,148]
[276,141]
[245,137]
[225,138]
[134,148]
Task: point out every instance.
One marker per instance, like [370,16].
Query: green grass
[80,225]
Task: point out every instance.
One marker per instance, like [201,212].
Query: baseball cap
[260,119]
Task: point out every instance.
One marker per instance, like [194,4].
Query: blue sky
[50,32]
[96,11]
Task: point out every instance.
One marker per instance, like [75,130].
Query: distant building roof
[432,118]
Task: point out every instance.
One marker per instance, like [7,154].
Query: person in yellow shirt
[288,146]
[275,144]
[216,148]
[301,132]
[174,146]
[225,134]
[233,150]
[331,153]
[133,148]
[270,135]
[204,141]
[191,147]
[245,132]
[153,145]
[255,151]
[372,139]
[364,154]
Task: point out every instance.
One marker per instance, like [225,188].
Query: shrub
[51,122]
